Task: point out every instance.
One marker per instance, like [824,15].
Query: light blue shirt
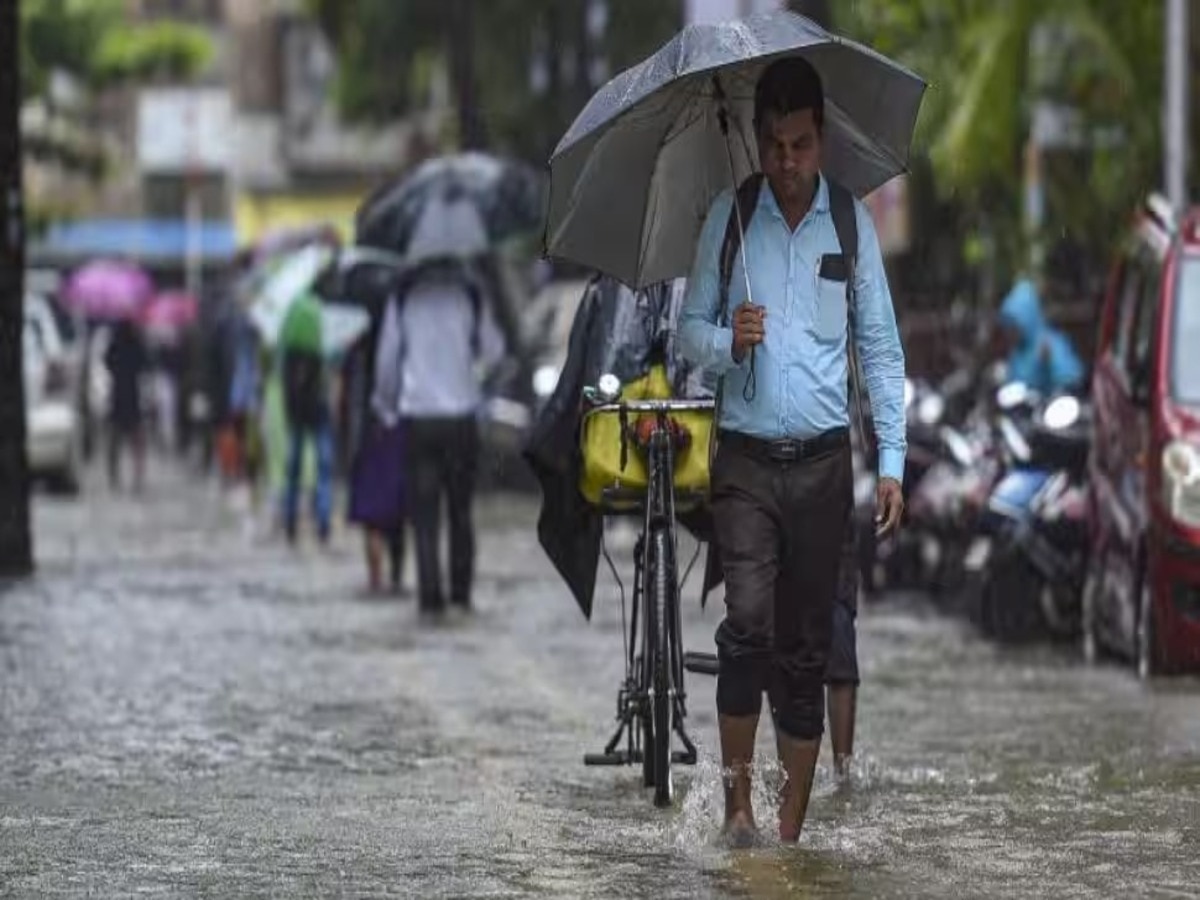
[801,366]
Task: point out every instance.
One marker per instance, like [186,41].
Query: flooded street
[187,707]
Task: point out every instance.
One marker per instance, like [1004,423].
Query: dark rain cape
[624,333]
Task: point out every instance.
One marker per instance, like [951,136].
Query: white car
[51,372]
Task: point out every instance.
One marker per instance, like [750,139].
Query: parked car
[51,373]
[1142,597]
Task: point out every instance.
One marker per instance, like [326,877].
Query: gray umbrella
[633,178]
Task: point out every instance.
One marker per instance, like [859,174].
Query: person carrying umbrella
[305,392]
[127,360]
[786,292]
[439,333]
[781,481]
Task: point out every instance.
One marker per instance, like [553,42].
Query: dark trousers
[780,529]
[442,460]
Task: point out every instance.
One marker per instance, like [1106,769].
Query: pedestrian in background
[439,334]
[307,407]
[126,359]
[376,451]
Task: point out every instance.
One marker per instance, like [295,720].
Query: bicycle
[652,700]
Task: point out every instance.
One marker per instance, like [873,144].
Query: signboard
[184,129]
[713,11]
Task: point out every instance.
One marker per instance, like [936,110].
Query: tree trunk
[461,34]
[16,550]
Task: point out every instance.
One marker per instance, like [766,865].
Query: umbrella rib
[653,210]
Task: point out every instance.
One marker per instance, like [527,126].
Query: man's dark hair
[787,86]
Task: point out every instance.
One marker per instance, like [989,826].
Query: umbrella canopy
[507,196]
[108,289]
[292,280]
[168,313]
[363,276]
[634,177]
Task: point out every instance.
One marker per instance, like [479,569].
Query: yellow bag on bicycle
[600,442]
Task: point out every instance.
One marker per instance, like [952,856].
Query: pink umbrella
[108,289]
[168,313]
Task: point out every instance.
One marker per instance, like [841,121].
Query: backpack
[845,224]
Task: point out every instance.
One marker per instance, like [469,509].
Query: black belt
[787,450]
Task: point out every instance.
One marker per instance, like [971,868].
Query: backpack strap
[845,223]
[746,200]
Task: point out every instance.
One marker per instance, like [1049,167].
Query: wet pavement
[189,707]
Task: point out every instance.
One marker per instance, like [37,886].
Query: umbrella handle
[751,386]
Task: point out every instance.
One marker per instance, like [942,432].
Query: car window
[1130,291]
[1185,336]
[1145,316]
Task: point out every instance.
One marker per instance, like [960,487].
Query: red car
[1142,595]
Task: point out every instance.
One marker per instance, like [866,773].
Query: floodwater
[189,707]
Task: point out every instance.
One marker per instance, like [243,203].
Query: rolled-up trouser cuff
[740,687]
[798,705]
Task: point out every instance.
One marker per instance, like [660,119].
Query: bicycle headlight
[1181,482]
[609,387]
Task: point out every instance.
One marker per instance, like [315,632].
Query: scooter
[1027,560]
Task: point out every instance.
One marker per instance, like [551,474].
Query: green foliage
[989,64]
[387,50]
[62,34]
[160,50]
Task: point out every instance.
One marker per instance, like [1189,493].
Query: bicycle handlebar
[654,406]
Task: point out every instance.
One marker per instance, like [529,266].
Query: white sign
[710,12]
[184,129]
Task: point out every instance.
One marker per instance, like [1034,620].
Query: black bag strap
[845,223]
[746,199]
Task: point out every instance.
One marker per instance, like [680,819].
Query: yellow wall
[254,215]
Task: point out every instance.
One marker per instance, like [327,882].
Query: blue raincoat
[1043,359]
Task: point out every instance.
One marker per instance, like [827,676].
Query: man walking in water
[781,479]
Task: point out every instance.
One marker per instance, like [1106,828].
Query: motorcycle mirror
[1061,413]
[1012,395]
[931,409]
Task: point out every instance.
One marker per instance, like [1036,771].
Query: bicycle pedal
[683,758]
[701,663]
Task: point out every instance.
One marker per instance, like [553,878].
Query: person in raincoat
[306,403]
[1041,357]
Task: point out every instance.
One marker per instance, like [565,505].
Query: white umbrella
[296,275]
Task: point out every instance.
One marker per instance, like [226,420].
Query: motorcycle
[945,477]
[1027,560]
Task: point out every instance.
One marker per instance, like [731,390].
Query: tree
[16,550]
[521,69]
[991,66]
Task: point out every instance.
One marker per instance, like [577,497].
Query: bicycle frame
[658,508]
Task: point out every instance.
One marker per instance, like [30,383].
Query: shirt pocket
[829,320]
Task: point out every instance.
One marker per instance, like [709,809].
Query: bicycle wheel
[659,593]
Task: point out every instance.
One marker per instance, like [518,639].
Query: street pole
[1175,113]
[16,544]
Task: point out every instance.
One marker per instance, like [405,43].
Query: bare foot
[791,813]
[740,831]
